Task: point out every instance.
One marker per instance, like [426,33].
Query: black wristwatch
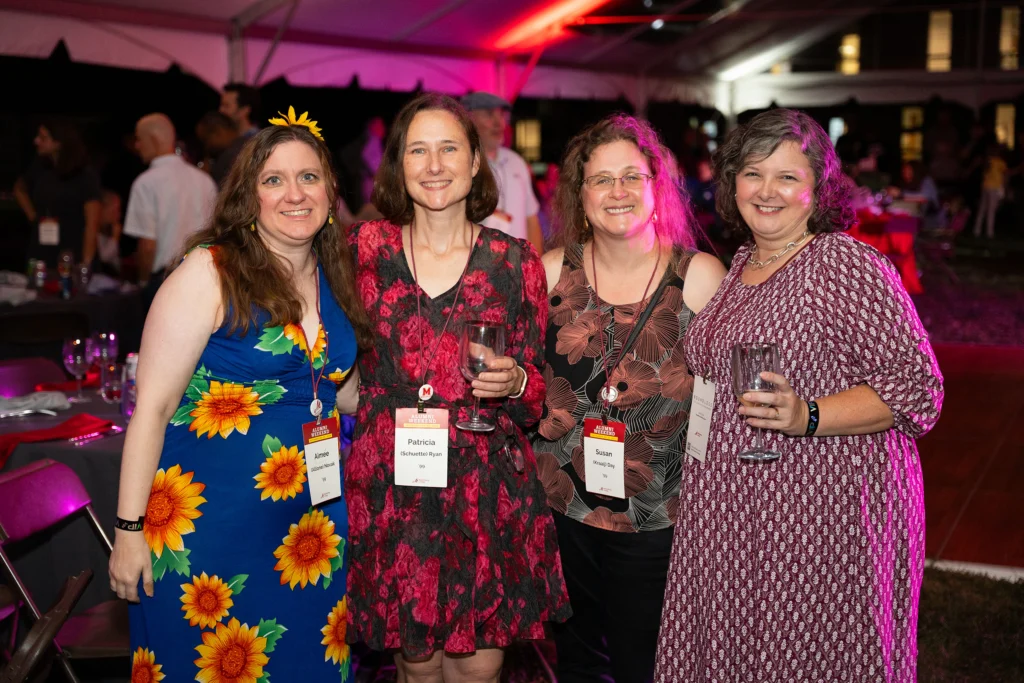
[126,525]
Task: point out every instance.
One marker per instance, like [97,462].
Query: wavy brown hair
[252,278]
[389,193]
[757,140]
[675,225]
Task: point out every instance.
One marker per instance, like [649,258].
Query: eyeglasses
[630,181]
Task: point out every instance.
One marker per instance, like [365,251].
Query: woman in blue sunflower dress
[237,575]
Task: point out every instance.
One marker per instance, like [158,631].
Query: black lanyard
[426,392]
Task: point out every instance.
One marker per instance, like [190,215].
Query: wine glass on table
[481,341]
[76,354]
[104,347]
[749,360]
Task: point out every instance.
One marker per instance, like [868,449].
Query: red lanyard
[426,392]
[316,407]
[608,394]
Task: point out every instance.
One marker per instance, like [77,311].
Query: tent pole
[273,45]
[237,72]
[525,75]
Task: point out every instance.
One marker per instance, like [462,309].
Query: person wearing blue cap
[518,207]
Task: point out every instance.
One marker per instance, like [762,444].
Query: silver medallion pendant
[609,394]
[426,392]
[316,407]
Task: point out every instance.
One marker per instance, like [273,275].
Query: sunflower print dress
[249,579]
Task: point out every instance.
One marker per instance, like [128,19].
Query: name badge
[421,447]
[702,405]
[604,450]
[323,459]
[49,232]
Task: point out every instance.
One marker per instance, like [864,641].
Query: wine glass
[104,347]
[481,341]
[110,381]
[749,360]
[76,361]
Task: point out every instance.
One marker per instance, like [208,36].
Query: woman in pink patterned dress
[807,568]
[445,577]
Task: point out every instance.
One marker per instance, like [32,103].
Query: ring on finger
[777,413]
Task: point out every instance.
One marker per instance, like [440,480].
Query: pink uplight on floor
[545,24]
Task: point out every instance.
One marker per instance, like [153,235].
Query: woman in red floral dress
[469,568]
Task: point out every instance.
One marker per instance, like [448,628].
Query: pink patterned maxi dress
[807,568]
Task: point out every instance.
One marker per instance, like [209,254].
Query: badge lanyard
[426,391]
[317,406]
[609,393]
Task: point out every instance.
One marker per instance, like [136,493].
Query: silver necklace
[758,265]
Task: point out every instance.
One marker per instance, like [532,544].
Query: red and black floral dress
[476,564]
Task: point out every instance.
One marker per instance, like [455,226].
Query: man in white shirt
[168,202]
[517,207]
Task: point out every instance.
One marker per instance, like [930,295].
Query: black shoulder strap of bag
[648,310]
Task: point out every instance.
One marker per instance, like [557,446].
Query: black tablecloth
[67,549]
[120,312]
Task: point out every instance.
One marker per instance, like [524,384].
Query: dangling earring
[586,223]
[330,218]
[252,227]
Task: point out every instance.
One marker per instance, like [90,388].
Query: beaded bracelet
[812,418]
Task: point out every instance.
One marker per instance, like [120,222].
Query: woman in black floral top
[625,231]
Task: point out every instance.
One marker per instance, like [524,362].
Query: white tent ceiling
[459,45]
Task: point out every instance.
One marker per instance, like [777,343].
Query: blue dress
[249,578]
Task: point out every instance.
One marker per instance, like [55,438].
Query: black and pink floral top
[654,386]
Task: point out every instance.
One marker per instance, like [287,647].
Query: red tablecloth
[893,235]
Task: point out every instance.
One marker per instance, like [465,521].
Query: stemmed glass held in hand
[77,359]
[481,341]
[749,360]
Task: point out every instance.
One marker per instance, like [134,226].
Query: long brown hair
[252,278]
[676,224]
[389,193]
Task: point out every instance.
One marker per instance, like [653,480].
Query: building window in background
[1006,115]
[912,139]
[849,54]
[528,139]
[940,40]
[1009,39]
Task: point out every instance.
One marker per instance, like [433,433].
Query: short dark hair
[758,140]
[72,156]
[389,193]
[248,96]
[214,120]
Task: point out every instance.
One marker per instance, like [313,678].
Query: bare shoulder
[703,277]
[552,261]
[192,289]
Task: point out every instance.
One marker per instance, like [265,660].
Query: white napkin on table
[39,400]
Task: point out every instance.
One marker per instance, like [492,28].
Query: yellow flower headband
[303,120]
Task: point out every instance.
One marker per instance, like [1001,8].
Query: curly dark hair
[758,140]
[252,278]
[675,217]
[389,194]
